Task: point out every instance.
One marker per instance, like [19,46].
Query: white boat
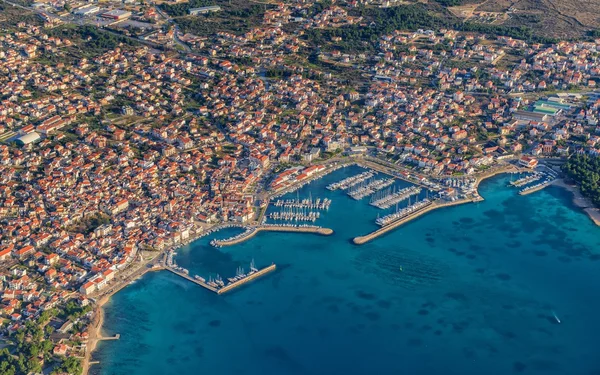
[556,317]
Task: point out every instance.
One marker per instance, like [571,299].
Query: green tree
[71,365]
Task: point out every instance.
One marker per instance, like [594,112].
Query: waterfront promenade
[393,172]
[273,228]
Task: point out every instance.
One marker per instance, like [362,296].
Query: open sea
[465,290]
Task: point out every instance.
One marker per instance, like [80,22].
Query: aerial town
[111,156]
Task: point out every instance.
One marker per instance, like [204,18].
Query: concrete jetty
[371,236]
[273,228]
[229,286]
[188,277]
[537,188]
[255,275]
[106,338]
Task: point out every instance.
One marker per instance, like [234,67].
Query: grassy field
[236,16]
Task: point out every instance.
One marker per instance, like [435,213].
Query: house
[528,162]
[60,349]
[5,253]
[87,288]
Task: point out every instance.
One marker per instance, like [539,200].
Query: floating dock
[228,287]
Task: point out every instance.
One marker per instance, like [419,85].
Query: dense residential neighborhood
[109,160]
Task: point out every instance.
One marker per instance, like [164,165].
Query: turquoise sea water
[465,290]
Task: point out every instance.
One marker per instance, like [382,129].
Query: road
[177,31]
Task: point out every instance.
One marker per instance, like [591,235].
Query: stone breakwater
[274,228]
[373,235]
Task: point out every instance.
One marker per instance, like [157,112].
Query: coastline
[94,332]
[580,201]
[95,329]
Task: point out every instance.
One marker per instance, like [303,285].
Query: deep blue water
[476,295]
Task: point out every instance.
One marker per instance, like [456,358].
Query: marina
[295,214]
[402,213]
[351,181]
[527,179]
[316,204]
[537,187]
[367,188]
[391,197]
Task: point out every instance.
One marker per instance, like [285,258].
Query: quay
[228,287]
[392,172]
[371,236]
[273,228]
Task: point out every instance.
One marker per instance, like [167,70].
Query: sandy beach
[580,201]
[95,331]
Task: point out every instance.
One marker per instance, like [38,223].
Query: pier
[369,187]
[371,236]
[534,188]
[195,281]
[390,198]
[406,211]
[351,181]
[107,338]
[228,287]
[295,214]
[244,280]
[309,203]
[274,228]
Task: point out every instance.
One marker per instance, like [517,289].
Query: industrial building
[28,139]
[87,10]
[116,14]
[530,116]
